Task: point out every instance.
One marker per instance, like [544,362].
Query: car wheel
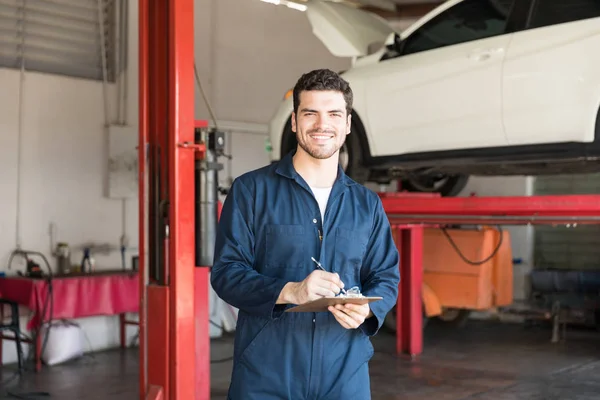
[444,184]
[453,317]
[350,157]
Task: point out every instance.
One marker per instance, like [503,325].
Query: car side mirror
[399,44]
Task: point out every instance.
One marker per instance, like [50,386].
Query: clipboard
[321,304]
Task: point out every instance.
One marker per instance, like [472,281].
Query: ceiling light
[296,6]
[290,4]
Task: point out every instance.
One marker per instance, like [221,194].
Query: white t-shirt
[322,196]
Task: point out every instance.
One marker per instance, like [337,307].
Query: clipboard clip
[352,292]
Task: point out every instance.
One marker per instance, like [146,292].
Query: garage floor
[485,360]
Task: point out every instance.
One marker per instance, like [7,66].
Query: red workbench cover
[75,296]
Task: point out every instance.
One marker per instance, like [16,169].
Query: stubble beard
[317,152]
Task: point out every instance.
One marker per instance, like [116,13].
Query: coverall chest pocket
[350,248]
[286,246]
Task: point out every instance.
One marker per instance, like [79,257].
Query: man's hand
[316,285]
[351,316]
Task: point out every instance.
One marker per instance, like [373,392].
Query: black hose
[465,259]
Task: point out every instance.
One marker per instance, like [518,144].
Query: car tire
[453,317]
[350,155]
[451,185]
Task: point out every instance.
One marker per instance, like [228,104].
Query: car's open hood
[347,31]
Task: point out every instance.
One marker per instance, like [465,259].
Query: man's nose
[322,122]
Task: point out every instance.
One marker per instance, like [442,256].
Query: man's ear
[293,121]
[349,124]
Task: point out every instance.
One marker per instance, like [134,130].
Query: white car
[475,87]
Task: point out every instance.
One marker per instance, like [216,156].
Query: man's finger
[329,286]
[357,315]
[323,292]
[339,317]
[344,319]
[334,278]
[362,310]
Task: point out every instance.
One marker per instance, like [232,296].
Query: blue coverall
[269,228]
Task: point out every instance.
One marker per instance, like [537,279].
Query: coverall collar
[286,168]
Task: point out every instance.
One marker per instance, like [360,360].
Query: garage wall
[62,166]
[248,54]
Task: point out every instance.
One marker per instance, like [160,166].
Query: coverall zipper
[332,200]
[314,323]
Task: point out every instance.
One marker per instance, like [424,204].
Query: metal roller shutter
[574,248]
[58,36]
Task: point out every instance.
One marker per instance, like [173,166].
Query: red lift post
[174,359]
[409,213]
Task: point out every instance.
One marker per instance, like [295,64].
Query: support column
[143,99]
[181,230]
[166,167]
[409,317]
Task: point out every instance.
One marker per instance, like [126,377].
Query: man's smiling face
[321,123]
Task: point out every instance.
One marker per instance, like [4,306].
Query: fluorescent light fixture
[290,4]
[296,6]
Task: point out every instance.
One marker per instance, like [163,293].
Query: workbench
[71,297]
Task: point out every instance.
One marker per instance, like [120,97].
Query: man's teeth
[321,137]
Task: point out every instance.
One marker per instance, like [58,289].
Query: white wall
[248,54]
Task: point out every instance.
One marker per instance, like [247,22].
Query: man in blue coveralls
[273,221]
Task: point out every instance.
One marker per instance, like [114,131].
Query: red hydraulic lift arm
[409,213]
[510,210]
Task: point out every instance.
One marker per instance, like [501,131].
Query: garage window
[467,21]
[552,12]
[61,37]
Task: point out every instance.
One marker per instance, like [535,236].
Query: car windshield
[463,23]
[466,21]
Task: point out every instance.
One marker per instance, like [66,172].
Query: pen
[318,263]
[321,267]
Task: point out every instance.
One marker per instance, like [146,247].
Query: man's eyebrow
[311,110]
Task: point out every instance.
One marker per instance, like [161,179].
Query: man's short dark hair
[323,79]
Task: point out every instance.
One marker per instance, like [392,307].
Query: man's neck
[317,173]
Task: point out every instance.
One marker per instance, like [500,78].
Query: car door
[443,91]
[552,74]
